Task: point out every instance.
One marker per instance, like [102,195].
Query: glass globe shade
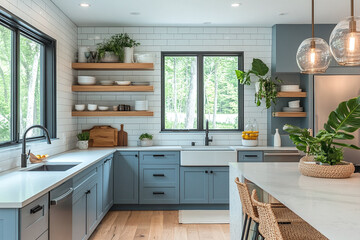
[313,56]
[345,42]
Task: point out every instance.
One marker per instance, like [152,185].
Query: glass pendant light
[345,40]
[313,55]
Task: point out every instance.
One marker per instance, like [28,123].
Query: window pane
[5,84]
[180,92]
[29,83]
[221,92]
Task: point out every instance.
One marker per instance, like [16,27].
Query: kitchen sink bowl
[54,167]
[207,156]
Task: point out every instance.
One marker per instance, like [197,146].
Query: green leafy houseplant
[341,124]
[145,136]
[267,85]
[116,44]
[85,136]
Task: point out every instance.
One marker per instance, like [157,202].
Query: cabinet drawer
[251,156]
[159,157]
[159,176]
[83,178]
[34,218]
[159,196]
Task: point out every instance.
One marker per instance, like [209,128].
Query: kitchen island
[332,206]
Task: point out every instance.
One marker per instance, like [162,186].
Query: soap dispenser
[277,139]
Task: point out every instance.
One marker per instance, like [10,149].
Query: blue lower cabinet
[194,185]
[126,178]
[204,185]
[9,224]
[219,185]
[107,184]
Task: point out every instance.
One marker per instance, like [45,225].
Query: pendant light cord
[352,8]
[312,18]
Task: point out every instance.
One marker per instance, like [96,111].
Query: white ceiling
[197,12]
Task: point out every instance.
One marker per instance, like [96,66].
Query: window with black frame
[27,80]
[201,86]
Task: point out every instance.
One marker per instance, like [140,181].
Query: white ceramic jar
[83,145]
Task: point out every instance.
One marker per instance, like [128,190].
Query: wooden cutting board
[103,136]
[123,137]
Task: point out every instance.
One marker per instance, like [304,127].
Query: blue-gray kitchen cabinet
[126,178]
[107,184]
[219,185]
[194,185]
[204,185]
[250,156]
[9,227]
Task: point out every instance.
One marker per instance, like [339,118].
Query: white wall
[255,42]
[45,16]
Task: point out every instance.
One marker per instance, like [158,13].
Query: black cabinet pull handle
[211,172]
[36,209]
[206,171]
[136,155]
[158,193]
[160,155]
[159,175]
[87,192]
[251,156]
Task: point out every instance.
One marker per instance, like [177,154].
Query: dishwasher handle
[55,201]
[282,154]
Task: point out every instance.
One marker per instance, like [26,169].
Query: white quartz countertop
[19,188]
[332,206]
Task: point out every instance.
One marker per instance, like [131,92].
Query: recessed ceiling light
[84,5]
[283,14]
[135,13]
[235,4]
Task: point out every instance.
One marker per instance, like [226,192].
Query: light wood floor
[162,225]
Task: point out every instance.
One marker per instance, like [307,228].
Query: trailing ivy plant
[116,44]
[267,85]
[341,124]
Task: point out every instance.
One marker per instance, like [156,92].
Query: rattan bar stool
[251,215]
[274,229]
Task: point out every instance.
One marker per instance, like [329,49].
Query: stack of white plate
[290,88]
[86,80]
[141,105]
[294,106]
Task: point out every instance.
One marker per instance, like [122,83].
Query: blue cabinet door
[91,219]
[194,185]
[107,186]
[126,173]
[9,224]
[219,185]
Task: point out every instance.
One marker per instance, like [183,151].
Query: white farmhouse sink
[207,156]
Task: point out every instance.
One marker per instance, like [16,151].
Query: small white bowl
[86,80]
[106,82]
[123,83]
[103,108]
[92,107]
[79,107]
[249,143]
[144,57]
[294,104]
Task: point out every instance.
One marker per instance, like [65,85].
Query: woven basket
[308,167]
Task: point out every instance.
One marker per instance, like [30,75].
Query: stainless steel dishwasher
[282,156]
[60,223]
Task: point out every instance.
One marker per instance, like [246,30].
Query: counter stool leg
[256,232]
[244,226]
[248,229]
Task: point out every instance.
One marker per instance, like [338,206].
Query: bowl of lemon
[38,158]
[250,138]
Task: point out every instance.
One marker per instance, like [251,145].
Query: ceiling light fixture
[313,54]
[84,5]
[345,40]
[235,4]
[135,13]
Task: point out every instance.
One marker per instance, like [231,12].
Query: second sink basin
[54,167]
[207,156]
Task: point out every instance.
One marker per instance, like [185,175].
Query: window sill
[18,146]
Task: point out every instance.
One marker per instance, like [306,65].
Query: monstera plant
[266,87]
[325,146]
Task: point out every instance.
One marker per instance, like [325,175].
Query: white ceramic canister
[81,54]
[128,55]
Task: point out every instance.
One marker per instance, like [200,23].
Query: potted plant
[146,140]
[112,50]
[325,148]
[129,44]
[266,87]
[83,140]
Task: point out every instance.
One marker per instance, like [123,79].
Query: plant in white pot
[129,44]
[325,148]
[146,140]
[83,140]
[266,87]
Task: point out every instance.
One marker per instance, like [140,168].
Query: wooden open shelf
[112,88]
[289,114]
[291,94]
[113,66]
[112,114]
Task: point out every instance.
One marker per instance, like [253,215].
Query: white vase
[146,142]
[83,145]
[129,55]
[277,139]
